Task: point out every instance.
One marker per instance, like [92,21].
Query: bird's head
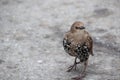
[77,26]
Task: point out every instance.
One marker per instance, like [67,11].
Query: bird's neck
[80,31]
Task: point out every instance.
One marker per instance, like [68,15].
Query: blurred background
[31,33]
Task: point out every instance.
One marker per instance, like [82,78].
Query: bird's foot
[71,67]
[80,77]
[77,78]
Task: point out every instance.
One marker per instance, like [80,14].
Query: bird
[78,43]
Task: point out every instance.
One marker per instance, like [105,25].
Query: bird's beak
[82,27]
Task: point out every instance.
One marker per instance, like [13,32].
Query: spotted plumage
[82,52]
[66,45]
[78,43]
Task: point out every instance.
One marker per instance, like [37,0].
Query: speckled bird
[78,43]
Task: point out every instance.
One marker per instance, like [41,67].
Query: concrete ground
[31,33]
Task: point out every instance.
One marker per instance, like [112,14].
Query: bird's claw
[77,78]
[71,67]
[80,77]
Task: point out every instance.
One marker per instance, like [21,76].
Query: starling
[78,43]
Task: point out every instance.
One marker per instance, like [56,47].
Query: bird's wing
[89,43]
[66,43]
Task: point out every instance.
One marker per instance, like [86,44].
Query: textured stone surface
[31,33]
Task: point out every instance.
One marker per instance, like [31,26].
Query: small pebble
[40,61]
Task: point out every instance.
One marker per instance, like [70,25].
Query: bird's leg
[82,74]
[74,65]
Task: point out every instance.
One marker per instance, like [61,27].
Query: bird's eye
[77,27]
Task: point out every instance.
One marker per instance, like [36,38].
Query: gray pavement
[31,33]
